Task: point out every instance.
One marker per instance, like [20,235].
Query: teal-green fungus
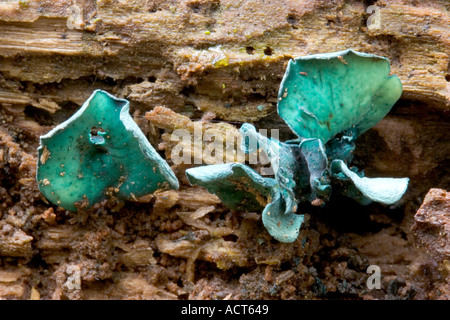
[99,148]
[238,186]
[328,100]
[383,190]
[323,94]
[283,160]
[243,189]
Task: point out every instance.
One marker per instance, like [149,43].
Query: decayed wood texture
[206,58]
[225,56]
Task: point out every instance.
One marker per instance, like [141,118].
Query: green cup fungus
[243,189]
[99,149]
[328,100]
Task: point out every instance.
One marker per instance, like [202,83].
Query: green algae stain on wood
[98,148]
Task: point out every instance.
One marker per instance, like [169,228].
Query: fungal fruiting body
[99,149]
[328,100]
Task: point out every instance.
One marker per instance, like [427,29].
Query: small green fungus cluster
[328,100]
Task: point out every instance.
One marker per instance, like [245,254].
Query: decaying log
[216,63]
